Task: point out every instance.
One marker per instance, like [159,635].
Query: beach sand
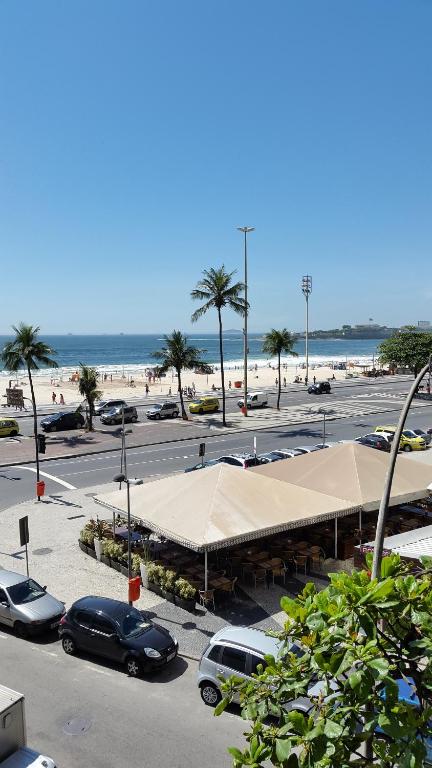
[119,387]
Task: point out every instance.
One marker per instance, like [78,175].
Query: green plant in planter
[158,574]
[136,560]
[184,589]
[99,528]
[112,549]
[151,572]
[87,536]
[170,580]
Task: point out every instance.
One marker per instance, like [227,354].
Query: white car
[254,400]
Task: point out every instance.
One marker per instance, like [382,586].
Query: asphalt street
[291,395]
[115,720]
[17,483]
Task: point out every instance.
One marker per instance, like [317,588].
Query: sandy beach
[131,386]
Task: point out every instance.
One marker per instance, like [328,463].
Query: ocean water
[128,353]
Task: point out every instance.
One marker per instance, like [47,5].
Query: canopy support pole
[205,570]
[360,525]
[335,537]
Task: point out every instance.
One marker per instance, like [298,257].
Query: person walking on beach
[314,379]
[147,389]
[62,402]
[229,384]
[53,397]
[284,381]
[169,392]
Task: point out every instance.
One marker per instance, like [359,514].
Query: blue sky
[135,136]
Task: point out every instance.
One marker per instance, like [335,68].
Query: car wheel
[133,666]
[210,694]
[52,429]
[407,448]
[135,418]
[20,629]
[68,644]
[175,414]
[200,411]
[13,433]
[157,416]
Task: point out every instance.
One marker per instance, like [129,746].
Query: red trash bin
[40,488]
[134,588]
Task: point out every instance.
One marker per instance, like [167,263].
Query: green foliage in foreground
[406,348]
[358,637]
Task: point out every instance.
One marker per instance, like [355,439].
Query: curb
[229,431]
[189,656]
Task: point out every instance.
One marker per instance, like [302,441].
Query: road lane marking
[99,671]
[51,477]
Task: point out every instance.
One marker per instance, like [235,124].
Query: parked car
[8,427]
[254,400]
[306,448]
[203,465]
[244,460]
[270,457]
[409,441]
[163,411]
[103,406]
[119,632]
[320,388]
[204,405]
[374,441]
[288,453]
[27,607]
[421,433]
[325,445]
[59,421]
[115,415]
[237,651]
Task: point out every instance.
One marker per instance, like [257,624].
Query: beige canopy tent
[224,506]
[354,472]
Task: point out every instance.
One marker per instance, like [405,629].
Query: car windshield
[197,402]
[157,407]
[134,623]
[409,433]
[25,592]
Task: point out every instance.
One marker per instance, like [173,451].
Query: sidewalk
[56,561]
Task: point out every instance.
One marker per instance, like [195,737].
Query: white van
[254,400]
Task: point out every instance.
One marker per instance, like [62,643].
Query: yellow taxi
[204,405]
[8,427]
[409,441]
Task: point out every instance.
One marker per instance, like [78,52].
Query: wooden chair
[260,575]
[230,587]
[279,570]
[317,557]
[301,561]
[206,598]
[248,570]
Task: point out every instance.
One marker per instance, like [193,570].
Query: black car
[118,632]
[320,388]
[374,441]
[59,421]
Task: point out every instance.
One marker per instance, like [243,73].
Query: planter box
[124,570]
[91,552]
[187,605]
[106,560]
[155,588]
[168,596]
[83,546]
[116,565]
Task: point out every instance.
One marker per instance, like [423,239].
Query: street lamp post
[129,481]
[307,290]
[245,231]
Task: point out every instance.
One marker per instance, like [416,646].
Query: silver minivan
[237,651]
[27,607]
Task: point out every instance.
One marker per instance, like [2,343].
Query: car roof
[113,608]
[306,448]
[253,639]
[237,456]
[9,578]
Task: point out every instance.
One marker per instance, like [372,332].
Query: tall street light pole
[245,231]
[307,290]
[132,481]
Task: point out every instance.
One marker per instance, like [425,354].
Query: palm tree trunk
[183,410]
[35,429]
[90,421]
[222,367]
[279,383]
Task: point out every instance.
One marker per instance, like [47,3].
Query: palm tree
[88,383]
[276,342]
[26,351]
[178,355]
[217,290]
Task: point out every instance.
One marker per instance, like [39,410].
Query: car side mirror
[4,603]
[44,588]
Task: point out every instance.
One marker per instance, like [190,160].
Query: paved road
[17,484]
[159,721]
[292,395]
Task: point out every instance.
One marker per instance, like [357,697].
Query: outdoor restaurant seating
[206,598]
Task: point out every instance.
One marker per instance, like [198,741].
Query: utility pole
[245,231]
[306,287]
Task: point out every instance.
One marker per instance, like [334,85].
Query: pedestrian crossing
[301,414]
